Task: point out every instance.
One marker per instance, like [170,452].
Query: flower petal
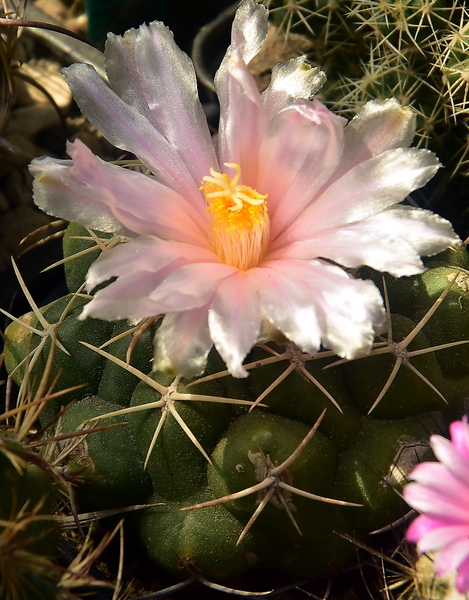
[149,72]
[462,579]
[367,189]
[312,139]
[420,526]
[379,126]
[144,253]
[235,321]
[447,454]
[391,241]
[460,437]
[127,129]
[106,197]
[451,556]
[173,353]
[190,286]
[290,81]
[443,536]
[242,116]
[346,311]
[289,305]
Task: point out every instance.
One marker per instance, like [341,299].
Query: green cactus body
[297,397]
[451,320]
[80,366]
[78,243]
[374,469]
[193,443]
[176,466]
[117,384]
[408,393]
[106,462]
[242,458]
[204,540]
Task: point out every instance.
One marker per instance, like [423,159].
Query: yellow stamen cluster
[240,223]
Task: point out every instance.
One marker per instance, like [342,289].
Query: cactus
[291,463]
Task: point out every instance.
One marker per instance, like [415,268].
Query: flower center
[240,223]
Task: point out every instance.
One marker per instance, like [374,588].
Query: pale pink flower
[441,493]
[247,226]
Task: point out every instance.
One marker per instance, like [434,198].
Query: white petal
[302,147]
[144,253]
[108,198]
[127,129]
[292,80]
[182,343]
[366,190]
[290,307]
[242,114]
[391,241]
[235,321]
[150,73]
[347,311]
[379,126]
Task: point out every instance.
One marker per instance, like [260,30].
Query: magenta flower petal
[440,493]
[462,579]
[232,230]
[460,437]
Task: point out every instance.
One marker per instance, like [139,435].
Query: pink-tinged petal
[367,189]
[441,537]
[235,321]
[179,285]
[127,129]
[379,126]
[182,343]
[106,197]
[451,556]
[451,458]
[436,477]
[190,286]
[290,81]
[462,579]
[126,298]
[347,310]
[460,437]
[450,507]
[290,307]
[150,73]
[302,146]
[391,241]
[144,253]
[421,526]
[242,115]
